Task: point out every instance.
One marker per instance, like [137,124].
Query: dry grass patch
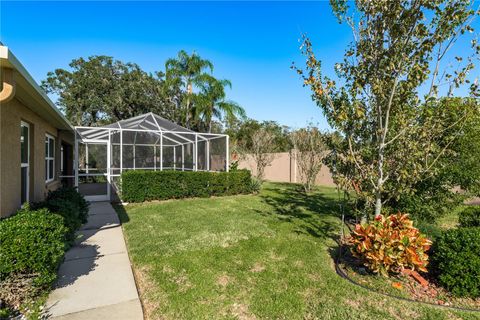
[182,281]
[146,289]
[223,280]
[240,311]
[257,267]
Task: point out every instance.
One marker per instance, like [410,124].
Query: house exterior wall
[11,115]
[285,169]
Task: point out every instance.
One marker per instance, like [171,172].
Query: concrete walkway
[95,281]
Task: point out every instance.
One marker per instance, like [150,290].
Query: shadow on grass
[122,213]
[311,212]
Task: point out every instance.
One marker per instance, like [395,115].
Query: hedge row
[138,186]
[33,243]
[457,260]
[470,217]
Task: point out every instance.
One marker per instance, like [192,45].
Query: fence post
[227,162]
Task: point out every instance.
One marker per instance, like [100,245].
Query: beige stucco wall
[284,169]
[11,115]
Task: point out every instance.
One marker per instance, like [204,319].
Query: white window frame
[61,159]
[27,164]
[48,157]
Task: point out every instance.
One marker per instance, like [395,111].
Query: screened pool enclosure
[145,142]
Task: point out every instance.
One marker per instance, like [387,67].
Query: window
[62,169]
[49,158]
[24,161]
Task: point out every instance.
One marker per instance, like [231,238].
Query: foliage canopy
[102,90]
[386,103]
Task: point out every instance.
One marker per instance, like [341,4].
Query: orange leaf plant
[390,244]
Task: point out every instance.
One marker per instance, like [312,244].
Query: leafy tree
[258,141]
[458,167]
[101,89]
[309,150]
[211,102]
[385,104]
[462,167]
[185,71]
[241,133]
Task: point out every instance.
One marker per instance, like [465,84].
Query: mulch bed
[405,286]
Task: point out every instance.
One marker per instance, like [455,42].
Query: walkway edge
[96,279]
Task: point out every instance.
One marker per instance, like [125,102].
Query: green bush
[457,260]
[255,185]
[429,202]
[138,186]
[32,242]
[72,195]
[470,217]
[68,203]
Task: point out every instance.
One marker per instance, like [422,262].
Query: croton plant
[390,244]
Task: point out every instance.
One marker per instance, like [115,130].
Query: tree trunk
[378,191]
[209,120]
[378,203]
[187,111]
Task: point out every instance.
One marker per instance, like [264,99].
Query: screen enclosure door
[93,168]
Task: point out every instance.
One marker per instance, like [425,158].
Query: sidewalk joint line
[95,256]
[99,307]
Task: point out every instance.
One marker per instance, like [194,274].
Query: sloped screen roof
[146,129]
[149,121]
[151,142]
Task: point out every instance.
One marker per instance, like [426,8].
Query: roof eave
[8,60]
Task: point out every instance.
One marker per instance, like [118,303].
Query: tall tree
[101,89]
[392,73]
[463,165]
[258,141]
[261,151]
[186,70]
[211,102]
[310,149]
[241,133]
[459,166]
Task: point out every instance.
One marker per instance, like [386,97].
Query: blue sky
[250,43]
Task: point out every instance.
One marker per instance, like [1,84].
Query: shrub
[255,185]
[431,231]
[390,244]
[138,185]
[72,195]
[470,217]
[430,201]
[68,203]
[457,260]
[33,242]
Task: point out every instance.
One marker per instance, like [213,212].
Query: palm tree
[211,101]
[187,69]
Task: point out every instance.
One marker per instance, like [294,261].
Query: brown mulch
[425,289]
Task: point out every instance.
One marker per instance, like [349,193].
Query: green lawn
[266,256]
